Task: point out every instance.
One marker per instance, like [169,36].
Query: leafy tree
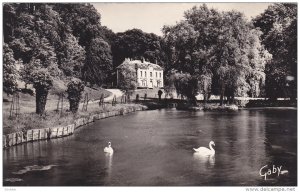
[185,84]
[204,86]
[98,62]
[137,44]
[9,21]
[84,22]
[127,78]
[279,26]
[33,41]
[181,40]
[169,83]
[220,50]
[82,18]
[74,57]
[75,89]
[107,34]
[9,71]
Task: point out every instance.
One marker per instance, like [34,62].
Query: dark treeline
[209,51]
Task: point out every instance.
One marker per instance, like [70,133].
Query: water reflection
[207,160]
[108,165]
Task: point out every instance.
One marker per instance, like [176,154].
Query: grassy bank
[27,102]
[28,119]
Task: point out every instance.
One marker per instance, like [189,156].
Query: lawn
[27,102]
[28,119]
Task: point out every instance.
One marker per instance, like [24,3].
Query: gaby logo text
[265,171]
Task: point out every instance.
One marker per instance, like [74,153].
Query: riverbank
[53,124]
[154,103]
[64,126]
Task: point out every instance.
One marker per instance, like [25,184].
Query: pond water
[155,148]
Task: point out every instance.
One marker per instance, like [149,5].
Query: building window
[156,74]
[160,75]
[141,73]
[145,74]
[150,74]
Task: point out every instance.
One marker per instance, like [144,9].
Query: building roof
[141,64]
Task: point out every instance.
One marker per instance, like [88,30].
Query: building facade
[147,75]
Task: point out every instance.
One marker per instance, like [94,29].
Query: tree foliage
[186,85]
[84,23]
[136,44]
[74,57]
[127,78]
[220,49]
[279,26]
[98,63]
[9,71]
[56,39]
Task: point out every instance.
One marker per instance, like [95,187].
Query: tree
[137,44]
[9,21]
[127,79]
[205,86]
[34,41]
[9,71]
[185,85]
[220,49]
[279,26]
[98,62]
[73,57]
[82,18]
[182,42]
[42,82]
[75,89]
[169,83]
[84,22]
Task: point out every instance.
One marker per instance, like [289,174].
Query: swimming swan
[206,151]
[109,149]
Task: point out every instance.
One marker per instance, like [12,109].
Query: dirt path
[115,92]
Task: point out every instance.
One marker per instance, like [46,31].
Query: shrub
[75,89]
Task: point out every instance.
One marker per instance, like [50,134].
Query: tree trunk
[74,105]
[41,99]
[232,100]
[222,93]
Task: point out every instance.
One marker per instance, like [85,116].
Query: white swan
[206,151]
[109,149]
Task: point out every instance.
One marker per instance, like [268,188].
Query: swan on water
[109,149]
[206,151]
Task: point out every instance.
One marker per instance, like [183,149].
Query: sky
[151,17]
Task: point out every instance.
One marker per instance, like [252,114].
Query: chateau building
[148,75]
